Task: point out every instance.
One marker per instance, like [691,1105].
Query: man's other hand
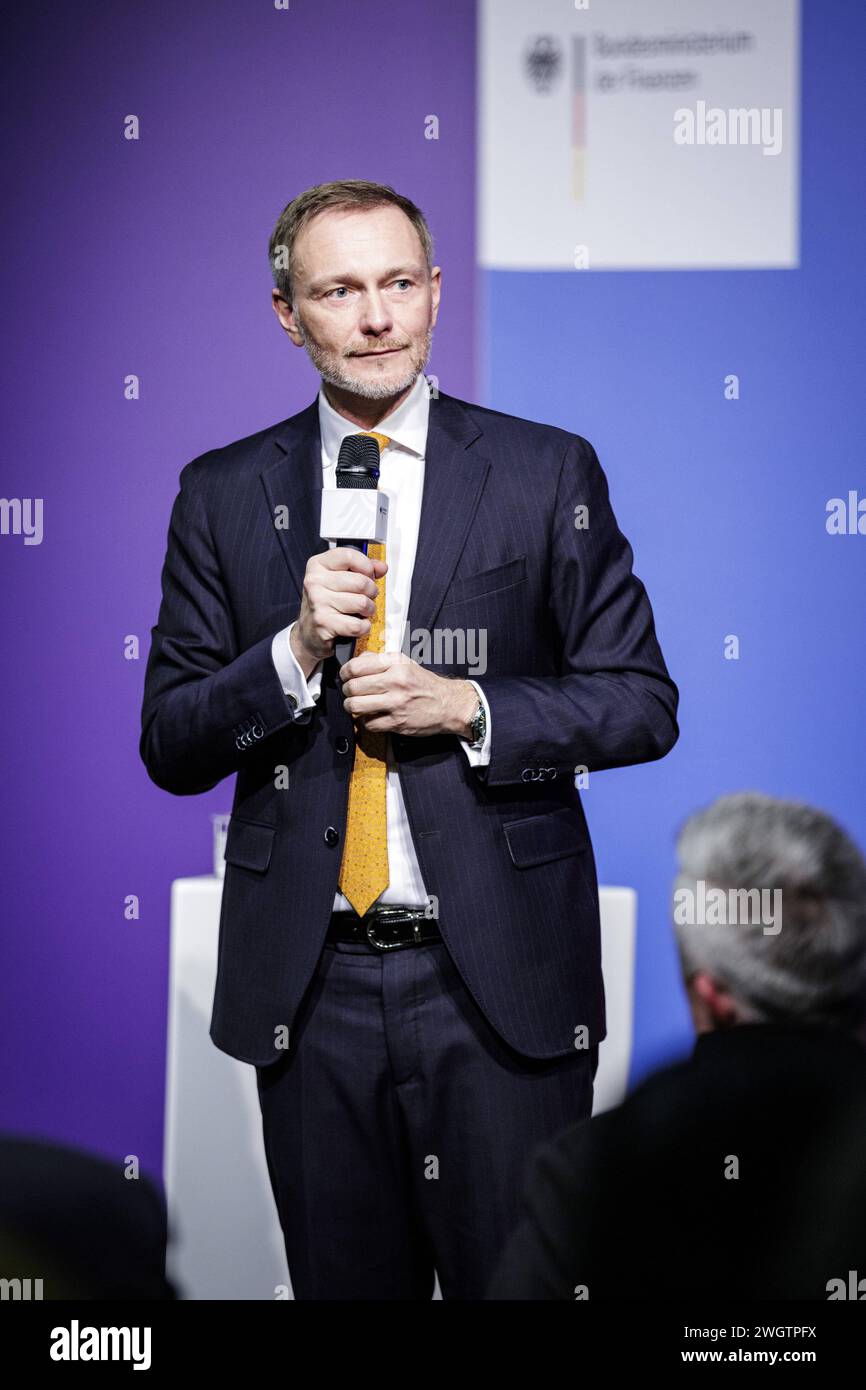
[388,692]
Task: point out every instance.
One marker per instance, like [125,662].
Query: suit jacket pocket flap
[536,839]
[487,581]
[249,844]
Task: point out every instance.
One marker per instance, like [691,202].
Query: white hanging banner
[639,134]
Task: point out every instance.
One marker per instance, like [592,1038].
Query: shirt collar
[406,426]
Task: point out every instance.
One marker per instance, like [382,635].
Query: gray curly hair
[814,968]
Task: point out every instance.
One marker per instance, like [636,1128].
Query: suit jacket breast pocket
[492,581]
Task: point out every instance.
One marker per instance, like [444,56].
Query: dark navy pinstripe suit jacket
[574,675]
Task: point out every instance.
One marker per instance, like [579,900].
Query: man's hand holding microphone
[386,692]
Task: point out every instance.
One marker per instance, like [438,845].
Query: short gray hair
[814,968]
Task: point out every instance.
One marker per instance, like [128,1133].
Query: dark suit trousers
[398,1127]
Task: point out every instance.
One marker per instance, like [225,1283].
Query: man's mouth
[386,352]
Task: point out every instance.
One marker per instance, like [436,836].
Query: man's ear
[712,1004]
[436,291]
[285,316]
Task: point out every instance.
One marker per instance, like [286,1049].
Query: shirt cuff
[479,754]
[302,692]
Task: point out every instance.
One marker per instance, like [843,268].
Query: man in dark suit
[739,1172]
[409,943]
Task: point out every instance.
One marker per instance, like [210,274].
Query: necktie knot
[381,439]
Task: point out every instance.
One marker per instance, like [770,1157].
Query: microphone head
[358,462]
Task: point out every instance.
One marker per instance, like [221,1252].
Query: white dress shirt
[402,477]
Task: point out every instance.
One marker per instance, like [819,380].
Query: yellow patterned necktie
[364,871]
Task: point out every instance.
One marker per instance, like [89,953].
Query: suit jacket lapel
[293,482]
[454,479]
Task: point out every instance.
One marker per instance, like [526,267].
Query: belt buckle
[394,913]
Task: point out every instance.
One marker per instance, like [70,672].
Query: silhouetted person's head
[769,909]
[76,1225]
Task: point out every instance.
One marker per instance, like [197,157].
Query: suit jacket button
[342,744]
[332,835]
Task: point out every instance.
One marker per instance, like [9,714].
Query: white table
[225,1237]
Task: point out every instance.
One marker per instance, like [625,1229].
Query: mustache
[383,347]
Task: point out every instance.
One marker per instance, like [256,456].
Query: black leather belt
[385,928]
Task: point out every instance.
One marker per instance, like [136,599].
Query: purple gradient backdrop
[150,257]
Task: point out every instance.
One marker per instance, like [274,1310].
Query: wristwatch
[478,725]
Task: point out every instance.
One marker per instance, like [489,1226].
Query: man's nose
[375,317]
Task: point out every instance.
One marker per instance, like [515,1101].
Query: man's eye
[337,290]
[402,282]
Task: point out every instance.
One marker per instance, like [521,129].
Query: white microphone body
[353,516]
[361,514]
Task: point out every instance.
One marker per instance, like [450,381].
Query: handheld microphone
[355,512]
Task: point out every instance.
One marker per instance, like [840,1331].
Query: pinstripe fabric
[572,671]
[391,1066]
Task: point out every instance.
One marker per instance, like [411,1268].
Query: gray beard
[331,370]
